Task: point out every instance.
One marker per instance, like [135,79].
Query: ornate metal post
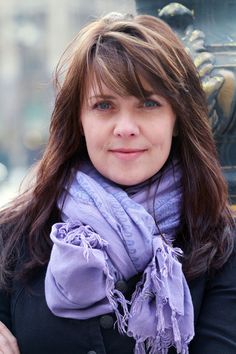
[208,30]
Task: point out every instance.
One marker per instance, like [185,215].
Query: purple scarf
[109,234]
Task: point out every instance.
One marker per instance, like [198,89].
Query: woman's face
[128,139]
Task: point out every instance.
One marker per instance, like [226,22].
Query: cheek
[88,129]
[93,138]
[169,128]
[162,135]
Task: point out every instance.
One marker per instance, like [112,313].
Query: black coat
[38,331]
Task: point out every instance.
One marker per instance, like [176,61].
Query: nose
[126,126]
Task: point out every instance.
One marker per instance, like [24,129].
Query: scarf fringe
[152,288]
[117,301]
[84,236]
[158,346]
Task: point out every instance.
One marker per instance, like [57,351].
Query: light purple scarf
[109,234]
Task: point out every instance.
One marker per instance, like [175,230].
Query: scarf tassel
[118,302]
[152,287]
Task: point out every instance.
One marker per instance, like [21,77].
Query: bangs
[111,64]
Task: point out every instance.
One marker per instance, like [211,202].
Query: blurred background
[33,35]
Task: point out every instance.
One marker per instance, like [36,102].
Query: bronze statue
[213,49]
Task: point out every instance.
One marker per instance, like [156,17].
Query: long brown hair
[118,50]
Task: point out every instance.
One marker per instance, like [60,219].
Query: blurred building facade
[33,35]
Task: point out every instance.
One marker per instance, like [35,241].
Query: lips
[127,153]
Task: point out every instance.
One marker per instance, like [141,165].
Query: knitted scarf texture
[109,234]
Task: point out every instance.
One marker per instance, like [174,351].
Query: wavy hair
[120,50]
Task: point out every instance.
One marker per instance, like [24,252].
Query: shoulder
[227,273]
[215,284]
[214,298]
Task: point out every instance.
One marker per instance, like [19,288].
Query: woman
[128,193]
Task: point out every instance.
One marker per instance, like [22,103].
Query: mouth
[127,154]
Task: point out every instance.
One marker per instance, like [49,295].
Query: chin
[129,181]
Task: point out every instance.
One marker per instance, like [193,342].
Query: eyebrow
[108,97]
[146,94]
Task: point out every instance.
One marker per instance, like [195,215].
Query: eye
[149,103]
[102,106]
